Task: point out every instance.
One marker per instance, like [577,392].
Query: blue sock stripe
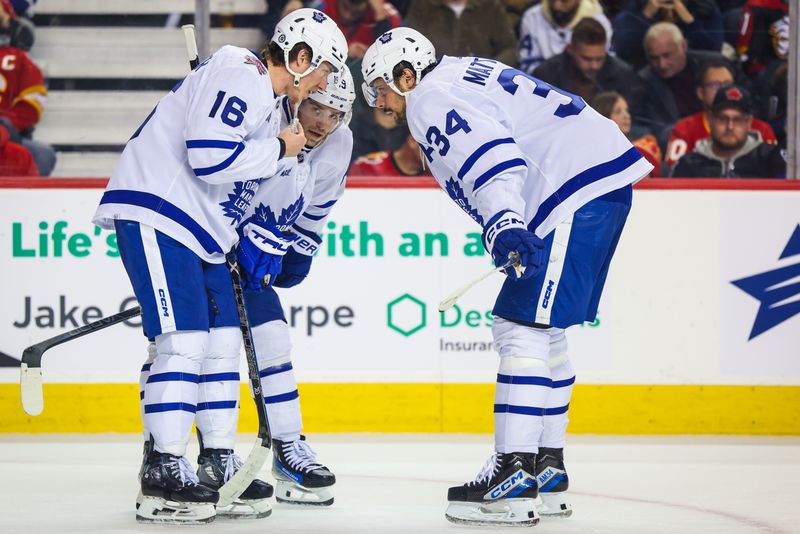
[283,397]
[220,377]
[216,405]
[274,370]
[170,407]
[525,380]
[563,383]
[558,410]
[146,367]
[173,377]
[141,395]
[529,410]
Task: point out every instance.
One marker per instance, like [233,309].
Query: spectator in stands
[668,82]
[466,28]
[730,152]
[405,161]
[374,131]
[22,95]
[764,34]
[15,160]
[613,105]
[585,68]
[688,131]
[546,28]
[361,21]
[699,20]
[515,9]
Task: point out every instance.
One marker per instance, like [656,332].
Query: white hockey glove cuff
[307,242]
[269,240]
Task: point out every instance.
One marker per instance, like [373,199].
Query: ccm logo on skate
[162,297]
[547,293]
[506,485]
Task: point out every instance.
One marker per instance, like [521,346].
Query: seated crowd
[699,86]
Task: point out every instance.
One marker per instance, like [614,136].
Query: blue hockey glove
[294,270]
[506,234]
[259,253]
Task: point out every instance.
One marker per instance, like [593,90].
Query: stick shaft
[191,44]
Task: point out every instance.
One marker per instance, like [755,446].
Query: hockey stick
[448,303]
[191,44]
[30,379]
[261,449]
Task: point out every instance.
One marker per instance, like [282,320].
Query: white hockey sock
[277,380]
[218,396]
[170,394]
[523,384]
[143,375]
[522,388]
[563,374]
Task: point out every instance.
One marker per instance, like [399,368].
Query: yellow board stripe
[606,409]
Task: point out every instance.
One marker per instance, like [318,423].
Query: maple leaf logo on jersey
[239,200]
[287,217]
[252,60]
[457,194]
[319,16]
[385,38]
[778,290]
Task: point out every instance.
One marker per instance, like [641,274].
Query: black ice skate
[300,478]
[504,493]
[551,476]
[217,466]
[171,493]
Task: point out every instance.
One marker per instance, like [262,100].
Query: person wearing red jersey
[763,34]
[405,161]
[362,21]
[15,160]
[22,94]
[688,131]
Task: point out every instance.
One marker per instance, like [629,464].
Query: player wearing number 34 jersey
[549,180]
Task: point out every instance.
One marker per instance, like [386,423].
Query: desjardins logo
[406,314]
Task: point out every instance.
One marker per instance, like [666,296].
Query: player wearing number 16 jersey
[549,180]
[176,198]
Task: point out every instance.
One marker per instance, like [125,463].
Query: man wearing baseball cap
[730,151]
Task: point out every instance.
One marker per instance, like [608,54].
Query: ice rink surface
[61,484]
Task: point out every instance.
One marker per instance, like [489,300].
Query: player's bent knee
[514,339]
[187,344]
[224,343]
[272,342]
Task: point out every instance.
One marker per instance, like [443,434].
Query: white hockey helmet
[340,93]
[394,46]
[318,31]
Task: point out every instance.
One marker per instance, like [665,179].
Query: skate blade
[553,505]
[251,509]
[505,512]
[155,510]
[297,495]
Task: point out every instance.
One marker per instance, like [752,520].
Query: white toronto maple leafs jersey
[193,166]
[299,198]
[497,139]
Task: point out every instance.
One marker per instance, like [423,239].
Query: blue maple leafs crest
[457,194]
[239,200]
[288,216]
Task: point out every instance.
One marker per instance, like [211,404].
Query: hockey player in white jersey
[300,207]
[175,199]
[549,180]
